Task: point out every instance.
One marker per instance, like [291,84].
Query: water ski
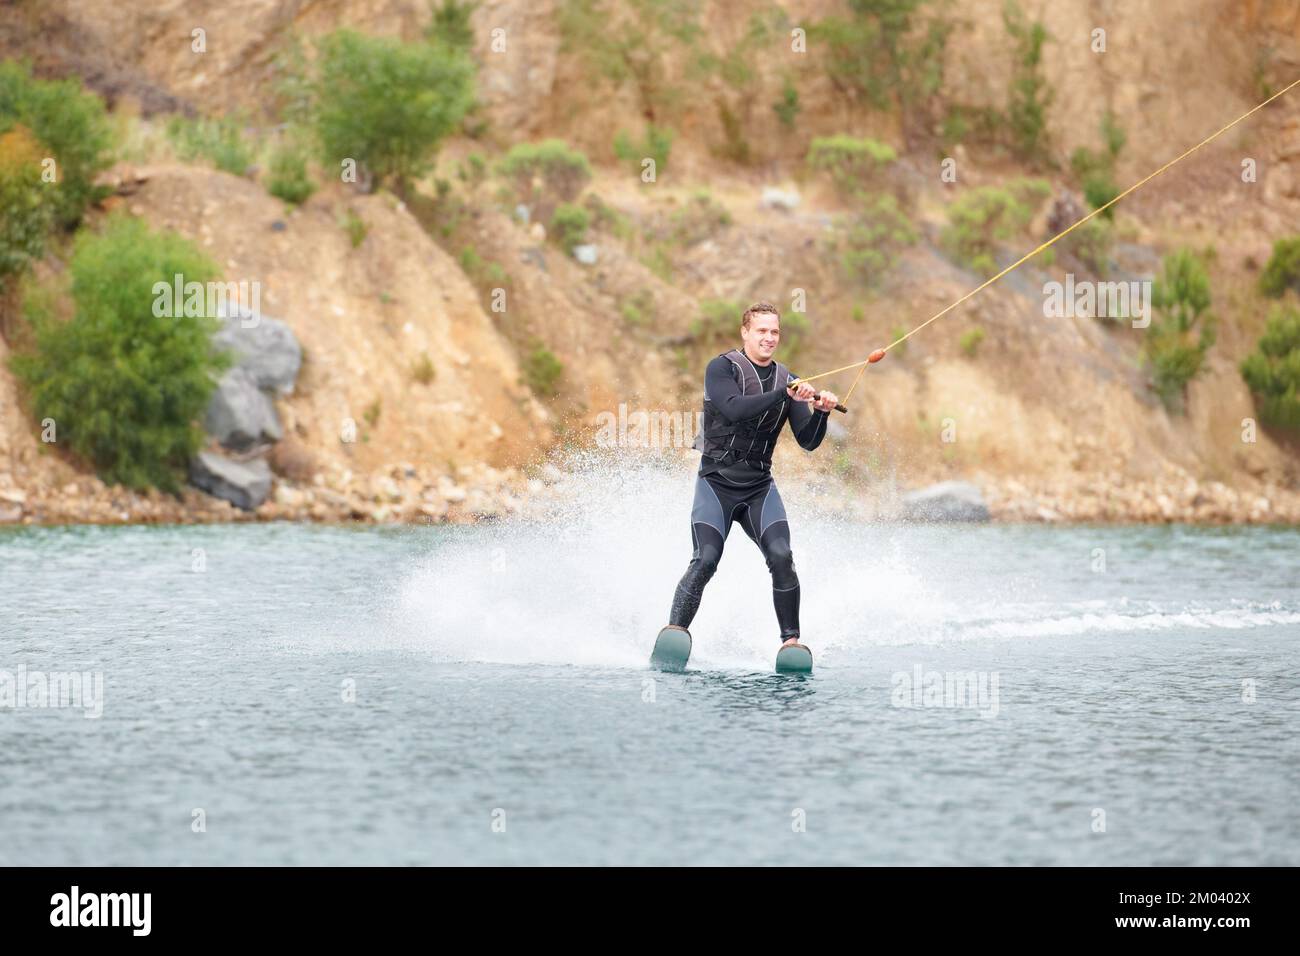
[795,659]
[672,649]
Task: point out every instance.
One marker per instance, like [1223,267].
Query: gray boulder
[245,484]
[240,414]
[946,501]
[264,347]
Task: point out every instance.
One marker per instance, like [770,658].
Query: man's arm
[808,425]
[725,394]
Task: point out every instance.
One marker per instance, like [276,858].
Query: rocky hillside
[1054,418]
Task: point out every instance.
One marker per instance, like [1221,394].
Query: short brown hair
[758,308]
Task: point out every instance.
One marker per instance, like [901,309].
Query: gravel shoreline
[405,494]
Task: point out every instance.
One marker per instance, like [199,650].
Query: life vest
[751,439]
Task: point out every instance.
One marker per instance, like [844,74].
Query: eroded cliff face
[1054,404]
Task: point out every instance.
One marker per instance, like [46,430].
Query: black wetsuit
[746,487]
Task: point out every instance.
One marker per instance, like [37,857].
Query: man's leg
[766,525]
[709,526]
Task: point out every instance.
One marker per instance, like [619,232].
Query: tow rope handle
[839,408]
[876,356]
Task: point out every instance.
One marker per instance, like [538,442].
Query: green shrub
[482,273]
[962,121]
[970,340]
[473,170]
[356,228]
[422,370]
[70,124]
[545,174]
[125,387]
[981,218]
[658,260]
[888,52]
[700,218]
[1272,371]
[606,217]
[1099,190]
[735,66]
[1030,95]
[1182,330]
[387,104]
[656,143]
[787,107]
[543,371]
[637,43]
[288,179]
[1097,170]
[1091,244]
[28,214]
[870,240]
[450,24]
[852,163]
[1085,162]
[220,141]
[1283,269]
[1113,134]
[637,311]
[735,144]
[569,226]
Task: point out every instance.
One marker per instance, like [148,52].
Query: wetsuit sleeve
[724,392]
[808,424]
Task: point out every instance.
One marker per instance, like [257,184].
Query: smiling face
[761,337]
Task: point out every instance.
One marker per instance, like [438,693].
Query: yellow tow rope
[877,355]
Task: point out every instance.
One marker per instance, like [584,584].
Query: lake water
[281,694]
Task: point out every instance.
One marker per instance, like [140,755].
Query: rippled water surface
[299,694]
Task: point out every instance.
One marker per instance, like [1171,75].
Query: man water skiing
[746,402]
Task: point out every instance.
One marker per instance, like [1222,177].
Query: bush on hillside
[220,141]
[1283,269]
[23,197]
[544,175]
[656,143]
[387,104]
[1183,329]
[569,226]
[853,163]
[1272,371]
[68,122]
[449,24]
[289,180]
[543,371]
[1029,95]
[124,386]
[982,218]
[870,240]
